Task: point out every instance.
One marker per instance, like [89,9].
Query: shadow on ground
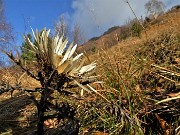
[16,114]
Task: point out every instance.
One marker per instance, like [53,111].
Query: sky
[93,16]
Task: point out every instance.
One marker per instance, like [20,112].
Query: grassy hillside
[139,93]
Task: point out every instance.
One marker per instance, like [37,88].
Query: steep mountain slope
[113,36]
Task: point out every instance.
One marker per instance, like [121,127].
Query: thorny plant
[58,70]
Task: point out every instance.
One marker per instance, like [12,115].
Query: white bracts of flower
[87,68]
[57,54]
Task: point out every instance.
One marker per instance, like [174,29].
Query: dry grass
[123,66]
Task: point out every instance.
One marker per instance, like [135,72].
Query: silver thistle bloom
[60,57]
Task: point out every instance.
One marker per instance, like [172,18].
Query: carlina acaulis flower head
[61,56]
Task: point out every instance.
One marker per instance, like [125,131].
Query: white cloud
[96,16]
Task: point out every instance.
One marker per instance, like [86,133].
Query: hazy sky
[93,16]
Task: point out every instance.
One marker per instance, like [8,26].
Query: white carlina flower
[63,60]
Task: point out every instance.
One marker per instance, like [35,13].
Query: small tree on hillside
[154,7]
[76,34]
[78,37]
[136,29]
[61,27]
[6,36]
[5,28]
[27,54]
